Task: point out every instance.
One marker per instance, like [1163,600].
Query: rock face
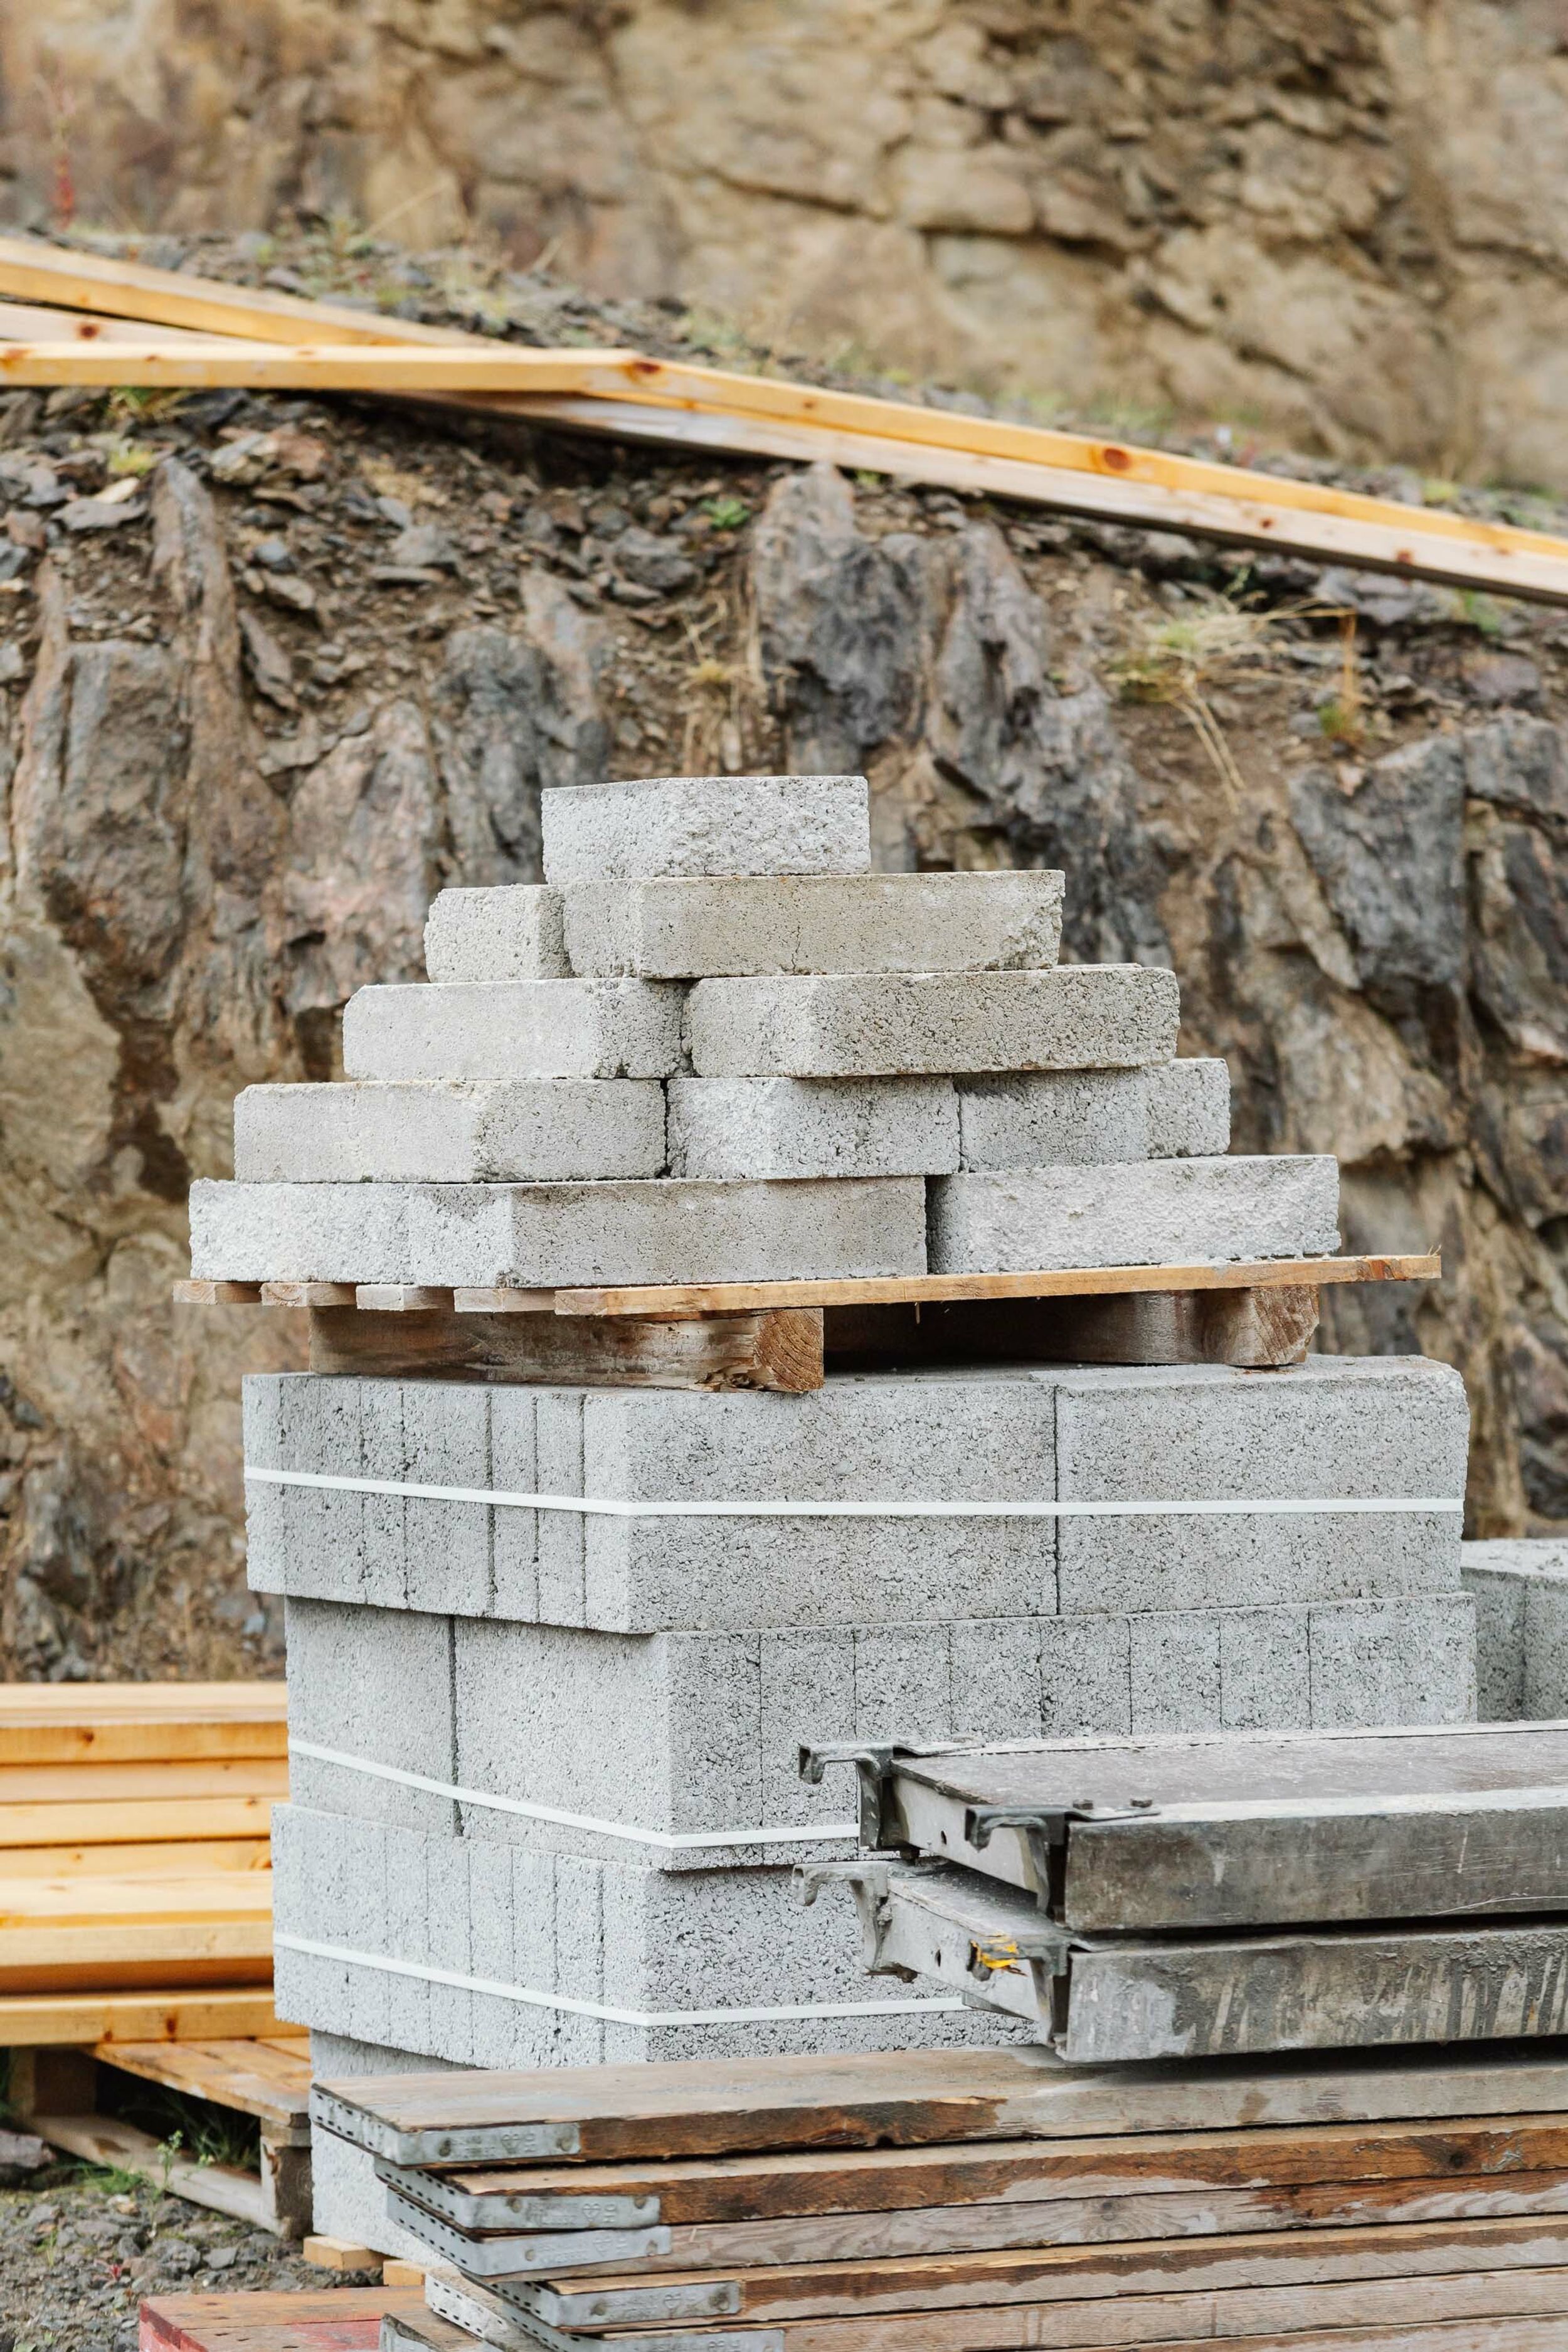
[1344,218]
[223,814]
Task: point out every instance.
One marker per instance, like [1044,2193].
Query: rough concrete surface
[1134,1212]
[512,932]
[526,1130]
[514,1029]
[700,825]
[1041,1118]
[812,1127]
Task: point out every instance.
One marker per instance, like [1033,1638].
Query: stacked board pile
[135,1859]
[554,1636]
[1227,1896]
[969,2202]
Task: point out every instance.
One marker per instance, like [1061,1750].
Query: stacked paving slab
[544,1797]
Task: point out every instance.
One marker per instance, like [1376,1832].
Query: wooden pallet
[341,2319]
[58,2091]
[784,1335]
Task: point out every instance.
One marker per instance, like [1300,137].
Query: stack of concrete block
[1520,1587]
[545,1699]
[714,1045]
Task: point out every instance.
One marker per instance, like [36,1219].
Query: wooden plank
[330,2319]
[503,1302]
[173,2014]
[215,362]
[593,2303]
[29,1704]
[399,1298]
[217,1294]
[902,2099]
[174,1857]
[1257,1329]
[134,1822]
[872,2237]
[270,2080]
[156,1782]
[307,1293]
[102,2139]
[735,1298]
[776,1348]
[1029,2173]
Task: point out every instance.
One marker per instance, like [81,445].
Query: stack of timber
[1228,1896]
[970,2201]
[64,326]
[136,1924]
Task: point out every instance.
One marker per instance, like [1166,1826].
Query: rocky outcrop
[1343,219]
[227,805]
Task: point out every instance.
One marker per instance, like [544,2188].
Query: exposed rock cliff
[318,666]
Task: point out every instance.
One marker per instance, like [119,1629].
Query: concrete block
[659,1952]
[1086,1678]
[982,1434]
[894,1025]
[1159,1211]
[512,933]
[349,2202]
[1265,1670]
[514,1029]
[528,1236]
[1520,1586]
[688,929]
[1174,1665]
[538,1235]
[374,1684]
[812,1127]
[1050,1117]
[538,1130]
[1329,1428]
[706,825]
[298,1232]
[1189,1110]
[1401,1661]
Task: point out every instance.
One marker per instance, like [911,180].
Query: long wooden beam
[630,395]
[208,363]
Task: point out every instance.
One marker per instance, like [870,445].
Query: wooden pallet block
[770,1349]
[57,2092]
[336,2319]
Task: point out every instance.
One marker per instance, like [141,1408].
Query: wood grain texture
[174,2011]
[268,2079]
[330,2319]
[1257,1328]
[776,1350]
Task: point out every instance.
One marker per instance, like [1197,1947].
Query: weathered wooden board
[336,2319]
[973,2228]
[1257,1328]
[1023,2172]
[268,2079]
[902,2099]
[778,1349]
[592,2303]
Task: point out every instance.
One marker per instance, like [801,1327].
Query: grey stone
[1332,1427]
[1160,1212]
[514,1029]
[1050,1117]
[692,929]
[893,1024]
[667,1955]
[707,825]
[529,1130]
[982,1435]
[511,931]
[1520,1586]
[812,1127]
[529,1237]
[1401,1661]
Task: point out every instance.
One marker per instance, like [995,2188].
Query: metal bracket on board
[1044,1830]
[872,1766]
[869,1882]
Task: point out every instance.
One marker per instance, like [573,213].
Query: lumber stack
[967,2201]
[135,1885]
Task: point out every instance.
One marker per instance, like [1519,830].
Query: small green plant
[1480,613]
[867,480]
[726,514]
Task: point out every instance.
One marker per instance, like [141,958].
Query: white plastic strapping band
[666,1840]
[597,1505]
[612,2016]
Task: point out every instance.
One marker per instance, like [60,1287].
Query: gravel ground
[79,2252]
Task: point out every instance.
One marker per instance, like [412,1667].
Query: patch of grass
[1480,612]
[727,514]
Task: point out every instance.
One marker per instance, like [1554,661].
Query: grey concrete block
[349,2201]
[376,1685]
[1086,1678]
[660,1952]
[893,1024]
[1265,1670]
[1189,1110]
[688,929]
[812,1127]
[665,1231]
[1159,1211]
[514,1029]
[1047,1117]
[984,1435]
[1174,1665]
[1394,1662]
[539,1235]
[1520,1586]
[512,933]
[527,1130]
[706,825]
[1331,1428]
